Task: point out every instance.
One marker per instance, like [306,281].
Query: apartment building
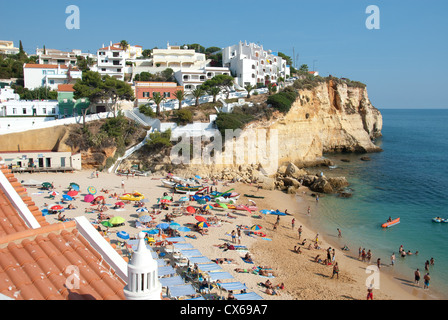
[49,75]
[251,64]
[7,47]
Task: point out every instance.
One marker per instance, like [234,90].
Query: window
[103,69]
[14,111]
[119,70]
[23,110]
[51,81]
[185,77]
[53,110]
[44,110]
[102,53]
[116,54]
[166,94]
[145,94]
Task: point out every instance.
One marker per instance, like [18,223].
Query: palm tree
[158,99]
[124,44]
[180,95]
[197,93]
[214,91]
[249,88]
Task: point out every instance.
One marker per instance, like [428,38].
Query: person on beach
[427,265]
[239,235]
[335,271]
[369,293]
[339,233]
[431,261]
[426,279]
[300,232]
[378,263]
[233,236]
[417,277]
[309,210]
[392,259]
[292,223]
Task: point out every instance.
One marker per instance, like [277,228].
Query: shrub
[232,121]
[183,116]
[282,101]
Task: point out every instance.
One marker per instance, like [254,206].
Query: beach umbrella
[74,186]
[106,223]
[145,218]
[72,193]
[88,198]
[123,235]
[46,185]
[278,213]
[183,229]
[91,190]
[183,199]
[163,226]
[223,205]
[207,207]
[116,220]
[202,224]
[99,198]
[152,231]
[256,227]
[201,201]
[142,210]
[165,201]
[190,209]
[174,225]
[264,211]
[57,207]
[119,203]
[200,218]
[67,197]
[53,193]
[197,177]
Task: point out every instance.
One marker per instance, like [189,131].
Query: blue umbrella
[278,213]
[67,197]
[197,177]
[174,226]
[184,199]
[183,229]
[265,211]
[145,218]
[163,226]
[123,235]
[152,231]
[142,210]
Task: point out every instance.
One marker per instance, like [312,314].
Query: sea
[409,180]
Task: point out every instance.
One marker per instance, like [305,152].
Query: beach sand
[303,278]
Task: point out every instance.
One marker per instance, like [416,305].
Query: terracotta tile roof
[66,88]
[44,66]
[111,48]
[38,264]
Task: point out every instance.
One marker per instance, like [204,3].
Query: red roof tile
[39,264]
[44,66]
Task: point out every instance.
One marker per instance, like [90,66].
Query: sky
[404,62]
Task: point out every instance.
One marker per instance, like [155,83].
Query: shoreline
[303,278]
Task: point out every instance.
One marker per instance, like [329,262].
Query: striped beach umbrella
[202,224]
[91,190]
[256,227]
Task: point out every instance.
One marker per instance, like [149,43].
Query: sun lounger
[183,246]
[191,253]
[233,286]
[171,281]
[181,291]
[200,259]
[209,267]
[176,239]
[166,270]
[214,276]
[248,296]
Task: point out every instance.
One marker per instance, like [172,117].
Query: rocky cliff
[332,117]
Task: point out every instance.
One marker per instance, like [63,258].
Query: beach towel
[247,261]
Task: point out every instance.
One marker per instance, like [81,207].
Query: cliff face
[330,118]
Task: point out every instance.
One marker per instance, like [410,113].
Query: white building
[54,56]
[190,79]
[49,75]
[177,58]
[251,64]
[7,94]
[7,47]
[111,61]
[29,108]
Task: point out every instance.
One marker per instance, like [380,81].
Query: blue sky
[404,63]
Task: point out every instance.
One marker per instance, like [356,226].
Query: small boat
[190,192]
[391,223]
[187,188]
[168,184]
[253,196]
[439,220]
[251,208]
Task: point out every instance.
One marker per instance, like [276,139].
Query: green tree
[146,53]
[214,91]
[180,96]
[158,99]
[197,93]
[183,116]
[124,45]
[303,68]
[249,88]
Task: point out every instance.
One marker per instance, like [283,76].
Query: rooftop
[42,261]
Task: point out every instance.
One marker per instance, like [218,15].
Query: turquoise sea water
[409,179]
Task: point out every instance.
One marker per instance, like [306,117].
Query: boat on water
[439,220]
[253,196]
[391,223]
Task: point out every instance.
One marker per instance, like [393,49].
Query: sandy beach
[303,278]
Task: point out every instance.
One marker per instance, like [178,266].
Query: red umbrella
[190,209]
[165,201]
[57,207]
[72,193]
[200,218]
[99,198]
[119,203]
[88,198]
